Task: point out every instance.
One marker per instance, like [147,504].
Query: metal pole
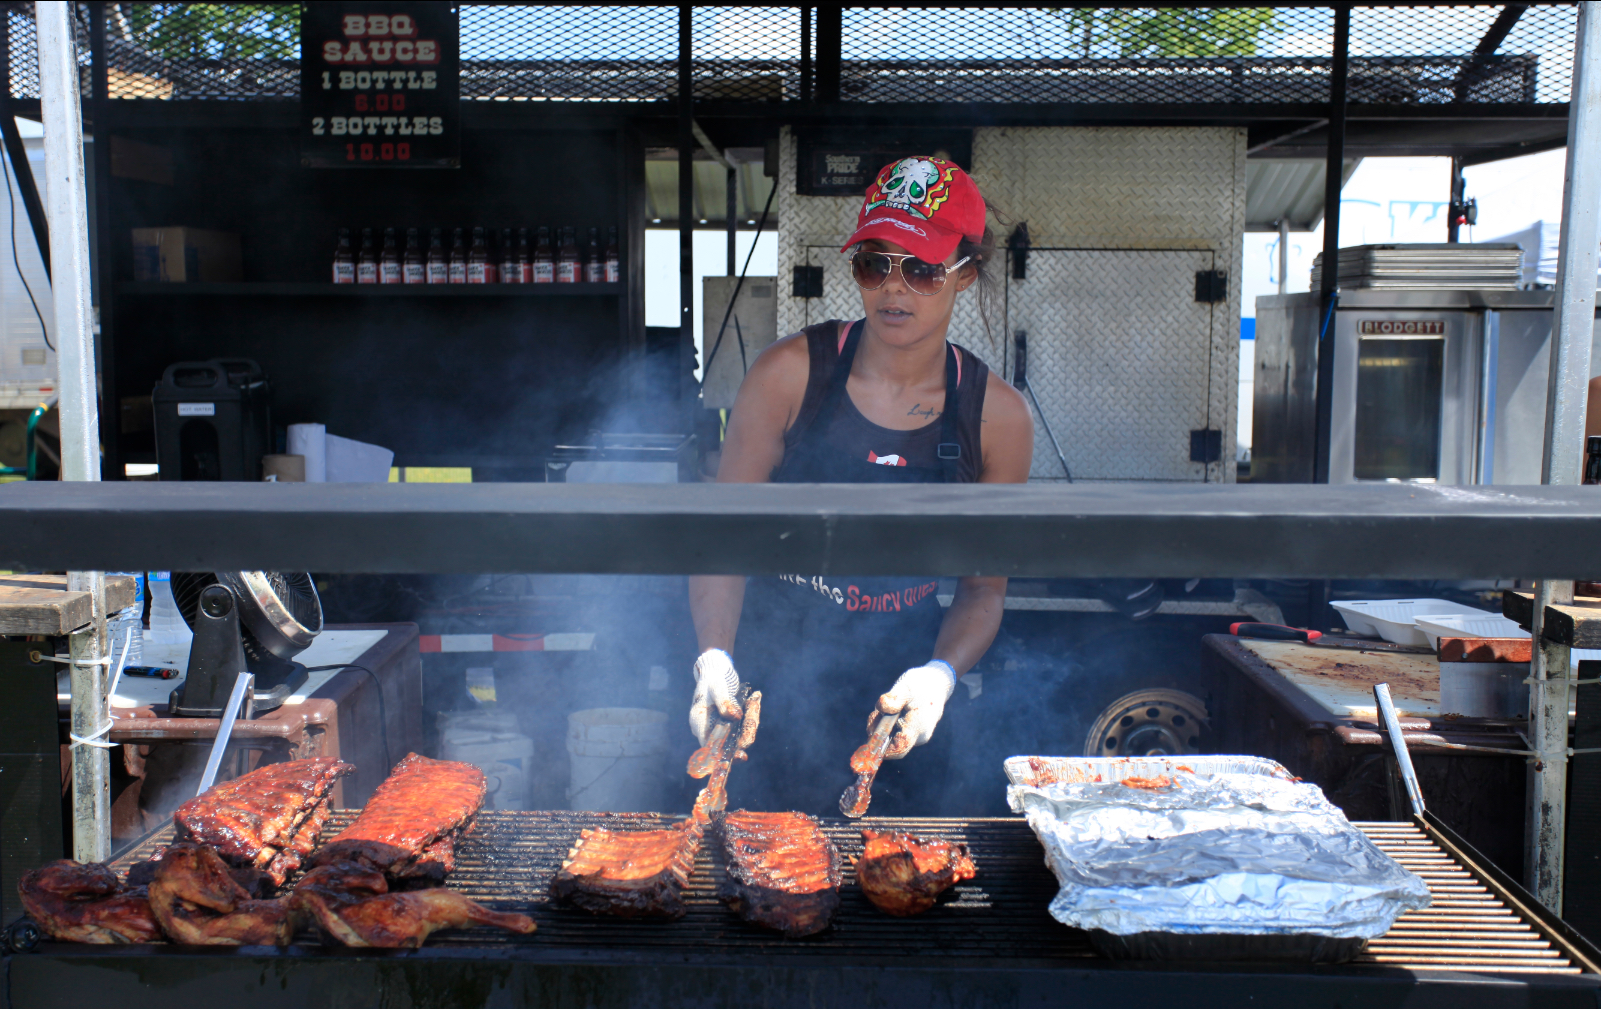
[733,223]
[1284,255]
[1334,169]
[1571,328]
[1459,184]
[686,176]
[68,209]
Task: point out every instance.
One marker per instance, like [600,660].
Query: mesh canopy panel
[1400,55]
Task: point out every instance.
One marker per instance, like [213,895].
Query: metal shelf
[302,290]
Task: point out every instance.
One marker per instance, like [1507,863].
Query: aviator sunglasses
[872,270]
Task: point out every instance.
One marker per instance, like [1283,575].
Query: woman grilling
[884,399]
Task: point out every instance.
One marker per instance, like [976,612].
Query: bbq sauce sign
[380,85]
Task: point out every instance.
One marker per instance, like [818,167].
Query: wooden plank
[42,611]
[41,604]
[1576,624]
[1485,649]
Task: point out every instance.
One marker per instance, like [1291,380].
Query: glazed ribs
[629,873]
[903,875]
[352,903]
[197,901]
[408,830]
[268,819]
[79,902]
[783,872]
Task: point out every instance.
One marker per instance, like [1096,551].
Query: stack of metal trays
[1497,266]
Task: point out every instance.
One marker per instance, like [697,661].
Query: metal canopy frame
[1086,530]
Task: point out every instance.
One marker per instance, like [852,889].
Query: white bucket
[490,741]
[618,759]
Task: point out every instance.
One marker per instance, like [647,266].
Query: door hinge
[1206,446]
[808,282]
[1211,286]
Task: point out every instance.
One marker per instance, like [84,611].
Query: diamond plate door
[1120,358]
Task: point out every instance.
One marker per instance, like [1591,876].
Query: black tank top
[832,442]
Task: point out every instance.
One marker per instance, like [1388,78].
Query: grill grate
[508,860]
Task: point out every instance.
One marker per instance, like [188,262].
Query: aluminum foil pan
[1189,848]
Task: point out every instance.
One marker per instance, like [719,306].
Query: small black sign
[380,85]
[843,163]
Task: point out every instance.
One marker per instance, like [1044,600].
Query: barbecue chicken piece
[408,830]
[782,871]
[903,875]
[629,873]
[352,903]
[79,902]
[268,819]
[197,901]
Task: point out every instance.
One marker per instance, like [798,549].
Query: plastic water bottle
[166,623]
[125,628]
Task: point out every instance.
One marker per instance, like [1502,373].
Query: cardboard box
[185,255]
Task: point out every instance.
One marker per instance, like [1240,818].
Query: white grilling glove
[716,686]
[919,697]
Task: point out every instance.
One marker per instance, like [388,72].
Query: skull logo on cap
[911,185]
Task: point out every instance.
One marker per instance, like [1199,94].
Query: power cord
[11,202]
[706,369]
[383,712]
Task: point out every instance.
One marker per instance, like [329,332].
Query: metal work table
[1311,708]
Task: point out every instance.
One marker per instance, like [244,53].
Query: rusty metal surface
[1341,680]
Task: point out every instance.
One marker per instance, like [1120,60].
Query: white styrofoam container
[1395,619]
[1443,625]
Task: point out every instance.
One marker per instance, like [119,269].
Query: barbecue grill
[991,942]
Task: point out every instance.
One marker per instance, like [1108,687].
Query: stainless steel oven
[1435,386]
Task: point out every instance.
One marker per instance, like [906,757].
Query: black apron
[823,648]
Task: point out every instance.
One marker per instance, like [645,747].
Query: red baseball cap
[926,205]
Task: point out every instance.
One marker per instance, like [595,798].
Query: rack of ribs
[268,819]
[352,903]
[408,830]
[85,902]
[198,902]
[629,873]
[903,875]
[783,872]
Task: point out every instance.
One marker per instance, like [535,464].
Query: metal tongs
[724,745]
[865,762]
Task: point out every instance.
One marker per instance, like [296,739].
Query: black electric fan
[244,621]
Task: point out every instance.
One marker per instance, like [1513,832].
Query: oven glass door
[1399,394]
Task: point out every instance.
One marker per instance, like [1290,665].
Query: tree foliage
[1169,31]
[212,31]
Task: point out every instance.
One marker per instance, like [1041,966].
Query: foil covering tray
[1222,857]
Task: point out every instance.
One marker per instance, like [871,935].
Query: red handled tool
[1274,632]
